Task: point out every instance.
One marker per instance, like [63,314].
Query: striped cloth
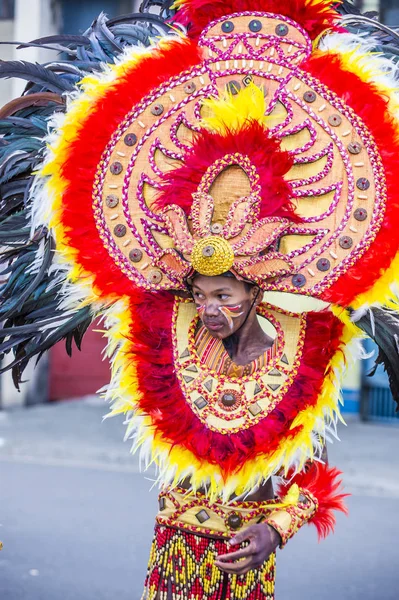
[212,352]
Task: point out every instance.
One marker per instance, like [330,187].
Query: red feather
[314,17]
[84,155]
[253,141]
[372,107]
[323,483]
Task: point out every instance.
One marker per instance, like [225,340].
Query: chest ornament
[229,398]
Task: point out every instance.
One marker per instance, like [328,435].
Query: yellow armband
[287,521]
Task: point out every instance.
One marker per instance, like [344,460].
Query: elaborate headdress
[263,141]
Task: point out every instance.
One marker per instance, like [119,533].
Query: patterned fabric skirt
[181,567]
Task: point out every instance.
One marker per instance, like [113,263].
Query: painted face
[223,303]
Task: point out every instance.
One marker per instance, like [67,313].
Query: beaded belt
[195,513]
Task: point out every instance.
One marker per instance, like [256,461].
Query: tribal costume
[254,138]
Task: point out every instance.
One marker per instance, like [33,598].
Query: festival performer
[233,154]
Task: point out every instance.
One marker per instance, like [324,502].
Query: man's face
[223,303]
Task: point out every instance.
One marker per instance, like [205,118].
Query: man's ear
[257,295]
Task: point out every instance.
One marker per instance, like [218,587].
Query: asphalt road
[77,516]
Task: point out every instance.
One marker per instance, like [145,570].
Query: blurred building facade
[58,376]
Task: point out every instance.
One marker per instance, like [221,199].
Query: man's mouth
[213,326]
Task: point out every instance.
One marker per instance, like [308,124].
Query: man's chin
[219,333]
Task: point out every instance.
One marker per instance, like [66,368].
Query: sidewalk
[74,432]
[76,515]
[69,432]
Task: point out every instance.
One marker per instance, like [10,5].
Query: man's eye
[224,296]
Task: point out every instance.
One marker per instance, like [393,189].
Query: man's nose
[211,309]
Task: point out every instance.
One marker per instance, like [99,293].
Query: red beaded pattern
[182,567]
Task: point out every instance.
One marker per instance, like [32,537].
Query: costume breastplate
[227,433]
[233,402]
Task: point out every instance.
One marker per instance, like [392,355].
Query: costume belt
[197,514]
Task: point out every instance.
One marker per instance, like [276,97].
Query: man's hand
[263,540]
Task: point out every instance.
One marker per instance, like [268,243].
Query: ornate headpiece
[264,142]
[238,148]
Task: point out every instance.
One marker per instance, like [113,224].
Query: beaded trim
[303,43]
[178,507]
[321,175]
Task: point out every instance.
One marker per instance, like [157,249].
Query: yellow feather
[368,67]
[381,292]
[292,496]
[232,112]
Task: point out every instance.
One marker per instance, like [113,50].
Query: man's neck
[249,342]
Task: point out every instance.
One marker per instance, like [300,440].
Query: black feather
[382,326]
[35,73]
[100,30]
[30,300]
[20,125]
[65,39]
[55,47]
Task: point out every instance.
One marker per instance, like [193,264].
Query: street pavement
[76,514]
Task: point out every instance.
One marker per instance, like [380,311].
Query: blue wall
[351,401]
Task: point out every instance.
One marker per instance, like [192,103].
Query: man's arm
[318,496]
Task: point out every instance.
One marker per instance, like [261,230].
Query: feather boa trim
[73,157]
[367,86]
[145,388]
[322,481]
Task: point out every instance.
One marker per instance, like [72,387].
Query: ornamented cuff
[287,521]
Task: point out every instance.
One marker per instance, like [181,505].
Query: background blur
[75,513]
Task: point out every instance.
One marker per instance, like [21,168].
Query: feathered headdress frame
[94,233]
[339,178]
